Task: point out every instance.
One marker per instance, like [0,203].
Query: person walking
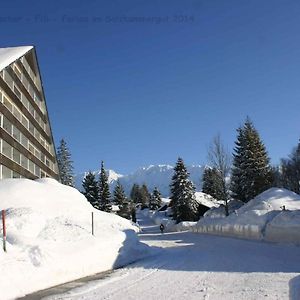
[162,227]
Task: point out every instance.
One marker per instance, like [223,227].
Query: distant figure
[282,207]
[162,227]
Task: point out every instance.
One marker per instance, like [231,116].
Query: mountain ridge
[153,176]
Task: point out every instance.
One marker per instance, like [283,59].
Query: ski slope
[194,266]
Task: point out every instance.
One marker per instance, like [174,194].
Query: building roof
[9,55]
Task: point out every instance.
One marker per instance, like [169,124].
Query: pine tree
[155,200]
[91,189]
[65,164]
[213,184]
[135,193]
[251,172]
[125,210]
[119,194]
[183,201]
[144,196]
[104,194]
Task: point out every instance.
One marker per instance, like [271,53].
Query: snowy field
[196,266]
[49,239]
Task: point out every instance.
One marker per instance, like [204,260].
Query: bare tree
[220,159]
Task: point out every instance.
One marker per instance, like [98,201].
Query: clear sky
[140,82]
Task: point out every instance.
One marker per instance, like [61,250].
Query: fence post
[4,230]
[92,223]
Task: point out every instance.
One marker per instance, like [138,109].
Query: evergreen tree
[119,194]
[183,201]
[213,184]
[91,189]
[144,196]
[155,200]
[125,210]
[251,172]
[104,194]
[290,171]
[121,200]
[65,164]
[135,193]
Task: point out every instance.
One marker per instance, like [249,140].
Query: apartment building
[26,143]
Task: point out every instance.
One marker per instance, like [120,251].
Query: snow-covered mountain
[153,176]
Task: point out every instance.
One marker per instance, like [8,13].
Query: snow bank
[261,218]
[285,227]
[184,226]
[49,238]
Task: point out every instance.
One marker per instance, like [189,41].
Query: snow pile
[184,226]
[49,239]
[261,218]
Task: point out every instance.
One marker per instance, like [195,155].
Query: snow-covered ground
[49,239]
[262,218]
[196,266]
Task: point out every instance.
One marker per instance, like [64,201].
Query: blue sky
[134,92]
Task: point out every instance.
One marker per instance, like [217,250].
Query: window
[31,91]
[25,122]
[25,82]
[24,161]
[31,128]
[36,134]
[16,175]
[17,113]
[42,141]
[6,149]
[37,171]
[17,71]
[31,109]
[8,80]
[31,166]
[7,103]
[6,172]
[16,156]
[24,141]
[7,125]
[25,102]
[47,162]
[16,133]
[37,153]
[38,118]
[17,92]
[30,148]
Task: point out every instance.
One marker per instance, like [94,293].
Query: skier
[162,227]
